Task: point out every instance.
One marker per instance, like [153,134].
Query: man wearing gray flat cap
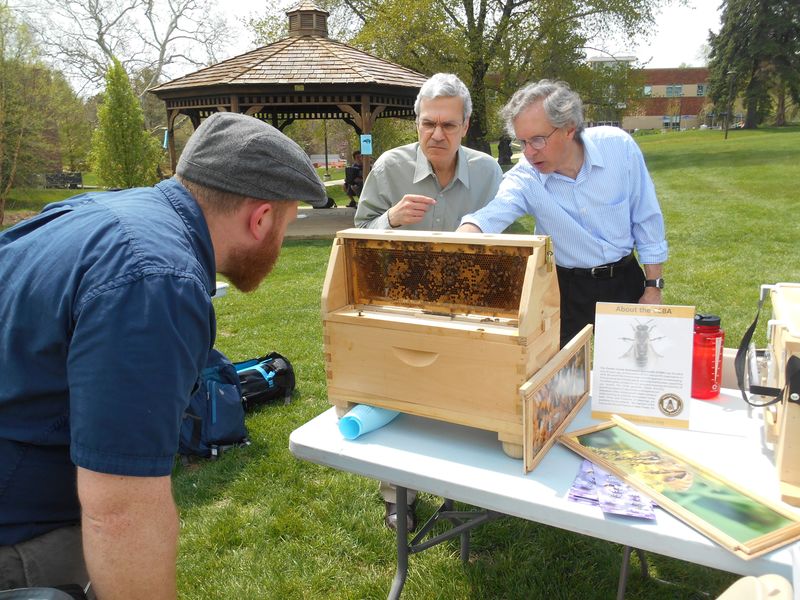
[107,323]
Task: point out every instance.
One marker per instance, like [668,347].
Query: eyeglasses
[448,127]
[537,142]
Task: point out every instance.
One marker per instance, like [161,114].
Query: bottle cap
[706,320]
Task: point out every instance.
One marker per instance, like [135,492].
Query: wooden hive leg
[343,409]
[512,444]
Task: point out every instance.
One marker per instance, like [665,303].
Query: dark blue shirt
[105,323]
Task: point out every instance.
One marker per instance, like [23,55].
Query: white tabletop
[468,465]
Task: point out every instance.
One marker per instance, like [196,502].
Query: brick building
[670,99]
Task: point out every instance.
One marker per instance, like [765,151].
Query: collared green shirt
[406,170]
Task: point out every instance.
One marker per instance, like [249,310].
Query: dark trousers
[52,559]
[581,290]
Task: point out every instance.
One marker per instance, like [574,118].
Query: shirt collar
[592,157]
[423,167]
[192,215]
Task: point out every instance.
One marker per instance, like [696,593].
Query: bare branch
[161,36]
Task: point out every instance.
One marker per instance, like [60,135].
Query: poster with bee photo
[643,363]
[553,396]
[727,513]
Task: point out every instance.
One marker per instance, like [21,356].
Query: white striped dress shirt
[594,219]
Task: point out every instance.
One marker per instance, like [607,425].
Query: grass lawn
[259,524]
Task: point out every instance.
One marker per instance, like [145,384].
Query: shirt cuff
[379,222]
[472,221]
[653,254]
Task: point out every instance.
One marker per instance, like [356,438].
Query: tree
[123,153]
[24,87]
[757,54]
[71,117]
[505,41]
[83,36]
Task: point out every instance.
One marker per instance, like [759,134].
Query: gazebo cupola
[307,19]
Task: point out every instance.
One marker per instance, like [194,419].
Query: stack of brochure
[597,487]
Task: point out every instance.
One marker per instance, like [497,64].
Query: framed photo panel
[553,396]
[730,515]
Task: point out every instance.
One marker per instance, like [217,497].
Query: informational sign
[643,363]
[366,144]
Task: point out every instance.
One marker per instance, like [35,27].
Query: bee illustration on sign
[641,350]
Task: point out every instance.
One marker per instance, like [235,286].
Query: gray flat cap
[238,153]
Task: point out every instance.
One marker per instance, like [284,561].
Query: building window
[648,90]
[701,89]
[674,91]
[671,122]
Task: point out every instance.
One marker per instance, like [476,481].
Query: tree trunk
[780,109]
[751,106]
[478,123]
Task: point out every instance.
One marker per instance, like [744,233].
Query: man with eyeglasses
[430,184]
[589,189]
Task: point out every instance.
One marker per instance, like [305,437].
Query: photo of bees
[547,408]
[555,394]
[707,498]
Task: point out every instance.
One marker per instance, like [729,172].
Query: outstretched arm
[130,535]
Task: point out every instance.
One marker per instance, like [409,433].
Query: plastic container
[709,340]
[362,419]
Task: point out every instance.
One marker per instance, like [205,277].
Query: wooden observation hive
[442,325]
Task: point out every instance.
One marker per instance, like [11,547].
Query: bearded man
[107,323]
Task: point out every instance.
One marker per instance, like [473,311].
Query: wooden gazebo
[305,75]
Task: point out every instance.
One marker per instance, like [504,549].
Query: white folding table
[468,465]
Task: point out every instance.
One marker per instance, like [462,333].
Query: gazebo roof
[308,59]
[307,56]
[305,75]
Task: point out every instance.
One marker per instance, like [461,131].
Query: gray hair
[562,106]
[444,85]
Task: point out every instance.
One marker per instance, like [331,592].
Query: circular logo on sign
[670,404]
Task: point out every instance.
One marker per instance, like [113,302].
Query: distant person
[428,185]
[589,189]
[504,153]
[354,179]
[107,323]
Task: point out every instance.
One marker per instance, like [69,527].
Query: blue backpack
[264,379]
[214,419]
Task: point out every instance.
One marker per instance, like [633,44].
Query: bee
[641,349]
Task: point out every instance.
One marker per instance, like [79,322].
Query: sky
[680,35]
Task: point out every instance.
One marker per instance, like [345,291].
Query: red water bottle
[707,357]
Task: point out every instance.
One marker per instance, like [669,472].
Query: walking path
[320,223]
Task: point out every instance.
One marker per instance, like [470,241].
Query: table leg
[623,573]
[448,506]
[461,522]
[643,563]
[402,544]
